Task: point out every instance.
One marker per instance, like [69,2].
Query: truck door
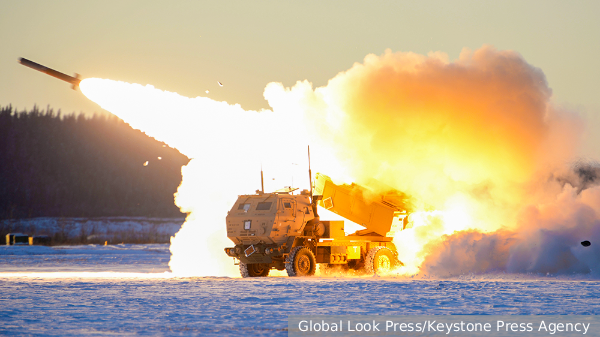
[286,213]
[288,208]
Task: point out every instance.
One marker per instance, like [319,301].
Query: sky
[189,46]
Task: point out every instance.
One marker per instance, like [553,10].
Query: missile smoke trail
[476,141]
[227,145]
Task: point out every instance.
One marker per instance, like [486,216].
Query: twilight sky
[187,46]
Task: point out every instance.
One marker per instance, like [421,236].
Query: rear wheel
[254,269]
[301,262]
[380,260]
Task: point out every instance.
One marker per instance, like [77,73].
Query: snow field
[101,290]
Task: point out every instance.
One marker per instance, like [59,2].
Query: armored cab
[263,226]
[268,219]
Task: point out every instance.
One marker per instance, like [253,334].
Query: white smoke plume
[547,241]
[227,146]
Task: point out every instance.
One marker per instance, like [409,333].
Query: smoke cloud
[476,142]
[548,240]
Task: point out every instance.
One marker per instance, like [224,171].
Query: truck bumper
[249,254]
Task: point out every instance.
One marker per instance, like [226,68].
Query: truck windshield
[244,207]
[263,206]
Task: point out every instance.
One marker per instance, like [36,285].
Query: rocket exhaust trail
[70,79]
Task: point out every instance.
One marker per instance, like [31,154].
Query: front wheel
[380,260]
[301,262]
[254,269]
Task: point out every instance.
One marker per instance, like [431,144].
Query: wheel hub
[303,264]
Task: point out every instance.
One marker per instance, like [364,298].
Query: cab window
[263,206]
[244,207]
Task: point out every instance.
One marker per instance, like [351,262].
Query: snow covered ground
[96,230]
[148,258]
[127,290]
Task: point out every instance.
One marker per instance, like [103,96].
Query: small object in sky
[207,91]
[146,163]
[159,158]
[586,243]
[70,79]
[220,84]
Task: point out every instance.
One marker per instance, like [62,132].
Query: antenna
[309,173]
[262,180]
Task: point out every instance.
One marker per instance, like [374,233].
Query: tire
[254,269]
[301,262]
[380,260]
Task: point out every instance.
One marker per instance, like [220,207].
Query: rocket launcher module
[70,79]
[374,211]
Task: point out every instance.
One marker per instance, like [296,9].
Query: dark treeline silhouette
[77,166]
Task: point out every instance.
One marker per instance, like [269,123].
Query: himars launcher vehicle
[281,230]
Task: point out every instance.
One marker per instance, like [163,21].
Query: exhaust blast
[476,142]
[226,145]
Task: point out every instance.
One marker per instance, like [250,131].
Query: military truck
[282,230]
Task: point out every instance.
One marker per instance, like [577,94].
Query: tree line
[54,165]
